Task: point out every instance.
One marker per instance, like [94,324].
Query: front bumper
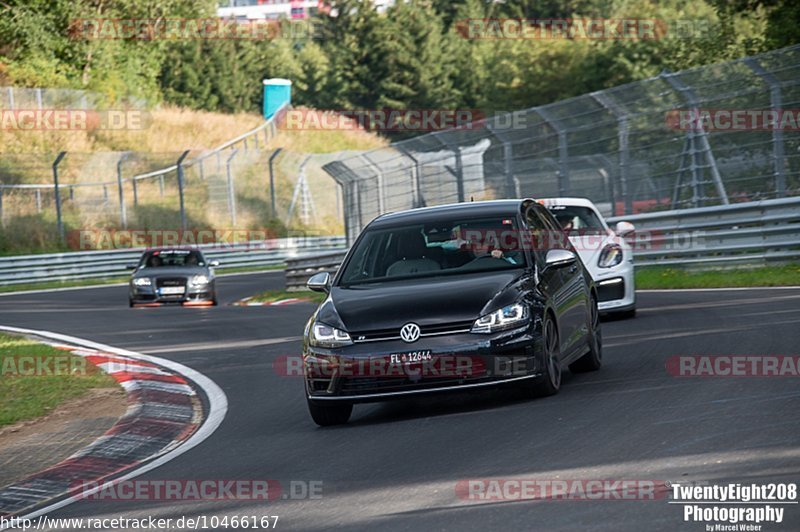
[367,372]
[148,295]
[615,288]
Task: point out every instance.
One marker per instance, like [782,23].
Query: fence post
[775,100]
[38,200]
[272,181]
[231,196]
[563,150]
[512,188]
[416,188]
[11,98]
[59,221]
[39,98]
[123,216]
[161,185]
[622,138]
[379,177]
[134,182]
[2,220]
[180,188]
[691,100]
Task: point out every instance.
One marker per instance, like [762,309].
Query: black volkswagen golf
[450,298]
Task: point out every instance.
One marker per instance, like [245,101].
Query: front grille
[377,335]
[611,290]
[170,281]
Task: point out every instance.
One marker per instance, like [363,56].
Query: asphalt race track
[395,466]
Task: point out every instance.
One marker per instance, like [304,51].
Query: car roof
[504,207]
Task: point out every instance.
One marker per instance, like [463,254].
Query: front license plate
[410,357]
[172,290]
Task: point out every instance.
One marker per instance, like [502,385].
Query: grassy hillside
[29,222]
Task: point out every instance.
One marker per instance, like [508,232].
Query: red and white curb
[164,419]
[289,301]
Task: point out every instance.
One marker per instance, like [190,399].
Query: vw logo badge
[409,333]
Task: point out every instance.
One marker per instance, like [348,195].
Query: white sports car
[604,252]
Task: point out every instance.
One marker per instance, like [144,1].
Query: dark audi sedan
[176,276]
[450,298]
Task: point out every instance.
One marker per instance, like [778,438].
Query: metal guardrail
[28,269]
[753,233]
[746,233]
[300,269]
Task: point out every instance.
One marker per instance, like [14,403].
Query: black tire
[593,359]
[550,381]
[130,303]
[329,414]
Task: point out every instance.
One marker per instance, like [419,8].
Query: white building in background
[274,9]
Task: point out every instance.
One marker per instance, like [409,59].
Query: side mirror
[624,228]
[130,266]
[213,264]
[558,258]
[319,282]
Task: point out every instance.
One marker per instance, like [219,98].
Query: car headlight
[505,318]
[199,280]
[326,336]
[142,281]
[610,256]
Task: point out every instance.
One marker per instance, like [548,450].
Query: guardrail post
[161,185]
[2,220]
[39,98]
[231,195]
[180,188]
[775,100]
[202,170]
[38,200]
[59,221]
[11,98]
[71,189]
[105,193]
[123,216]
[134,182]
[272,181]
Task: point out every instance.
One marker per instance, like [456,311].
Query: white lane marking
[731,289]
[217,409]
[111,285]
[210,346]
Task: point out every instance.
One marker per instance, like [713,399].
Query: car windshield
[433,249]
[172,258]
[577,220]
